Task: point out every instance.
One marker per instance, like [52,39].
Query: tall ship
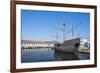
[72,44]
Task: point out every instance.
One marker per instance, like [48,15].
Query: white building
[32,44]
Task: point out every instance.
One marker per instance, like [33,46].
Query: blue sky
[42,25]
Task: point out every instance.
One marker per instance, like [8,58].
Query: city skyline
[42,25]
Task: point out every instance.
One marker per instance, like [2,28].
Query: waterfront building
[38,44]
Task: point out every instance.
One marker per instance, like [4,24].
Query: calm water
[48,54]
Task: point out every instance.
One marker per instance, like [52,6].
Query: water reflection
[65,56]
[48,54]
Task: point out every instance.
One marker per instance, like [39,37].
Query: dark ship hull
[71,46]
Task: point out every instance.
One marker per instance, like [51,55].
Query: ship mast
[64,31]
[56,35]
[72,30]
[73,27]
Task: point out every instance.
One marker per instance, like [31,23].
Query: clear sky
[42,25]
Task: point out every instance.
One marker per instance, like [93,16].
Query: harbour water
[49,54]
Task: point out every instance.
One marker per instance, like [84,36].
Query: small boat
[70,45]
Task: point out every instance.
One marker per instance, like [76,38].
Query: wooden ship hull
[71,45]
